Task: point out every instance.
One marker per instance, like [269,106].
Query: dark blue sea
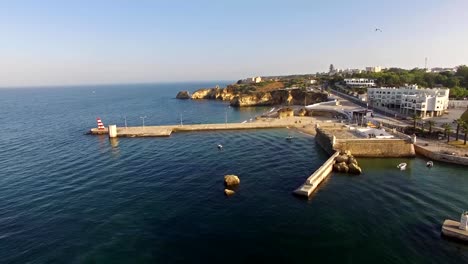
[67,197]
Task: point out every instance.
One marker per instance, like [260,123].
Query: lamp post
[225,116]
[181,124]
[143,118]
[125,118]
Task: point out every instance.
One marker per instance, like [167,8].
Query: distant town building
[440,69]
[252,80]
[352,71]
[424,102]
[359,82]
[374,69]
[313,81]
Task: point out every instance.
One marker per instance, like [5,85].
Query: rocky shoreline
[239,98]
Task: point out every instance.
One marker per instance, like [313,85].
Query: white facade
[359,82]
[440,69]
[425,102]
[374,69]
[252,80]
[352,71]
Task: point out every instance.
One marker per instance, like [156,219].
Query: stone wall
[376,147]
[440,157]
[324,140]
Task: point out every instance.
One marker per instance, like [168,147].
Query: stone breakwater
[345,162]
[239,98]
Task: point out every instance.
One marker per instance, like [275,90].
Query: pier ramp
[317,177]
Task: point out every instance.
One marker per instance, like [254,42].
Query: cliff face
[291,97]
[214,93]
[250,98]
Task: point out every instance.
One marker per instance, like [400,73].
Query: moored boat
[402,166]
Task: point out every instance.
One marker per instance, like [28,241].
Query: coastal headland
[257,94]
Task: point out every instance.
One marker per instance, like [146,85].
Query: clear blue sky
[86,42]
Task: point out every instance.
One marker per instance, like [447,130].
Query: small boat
[220,146]
[402,166]
[429,164]
[289,137]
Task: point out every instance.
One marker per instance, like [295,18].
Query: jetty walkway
[165,131]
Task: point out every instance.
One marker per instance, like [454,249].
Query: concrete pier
[165,131]
[317,177]
[451,229]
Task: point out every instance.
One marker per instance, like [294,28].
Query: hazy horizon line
[107,84]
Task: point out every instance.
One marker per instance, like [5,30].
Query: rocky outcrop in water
[345,162]
[228,192]
[231,180]
[183,95]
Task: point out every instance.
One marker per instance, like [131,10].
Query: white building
[374,69]
[359,82]
[440,69]
[252,80]
[424,102]
[352,71]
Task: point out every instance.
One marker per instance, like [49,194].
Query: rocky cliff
[215,94]
[239,97]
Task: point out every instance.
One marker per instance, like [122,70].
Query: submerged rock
[230,180]
[183,95]
[354,168]
[228,192]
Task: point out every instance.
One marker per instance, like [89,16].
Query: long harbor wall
[165,131]
[317,177]
[440,156]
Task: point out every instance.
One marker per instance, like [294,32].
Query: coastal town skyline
[53,43]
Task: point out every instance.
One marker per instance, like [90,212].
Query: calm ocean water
[66,197]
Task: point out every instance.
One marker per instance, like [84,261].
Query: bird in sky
[378,29]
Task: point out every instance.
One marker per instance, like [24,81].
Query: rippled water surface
[66,197]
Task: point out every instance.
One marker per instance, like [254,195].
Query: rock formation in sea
[345,162]
[183,95]
[228,192]
[231,180]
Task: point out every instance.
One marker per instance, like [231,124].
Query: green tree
[462,72]
[415,118]
[464,127]
[459,122]
[430,123]
[452,82]
[447,130]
